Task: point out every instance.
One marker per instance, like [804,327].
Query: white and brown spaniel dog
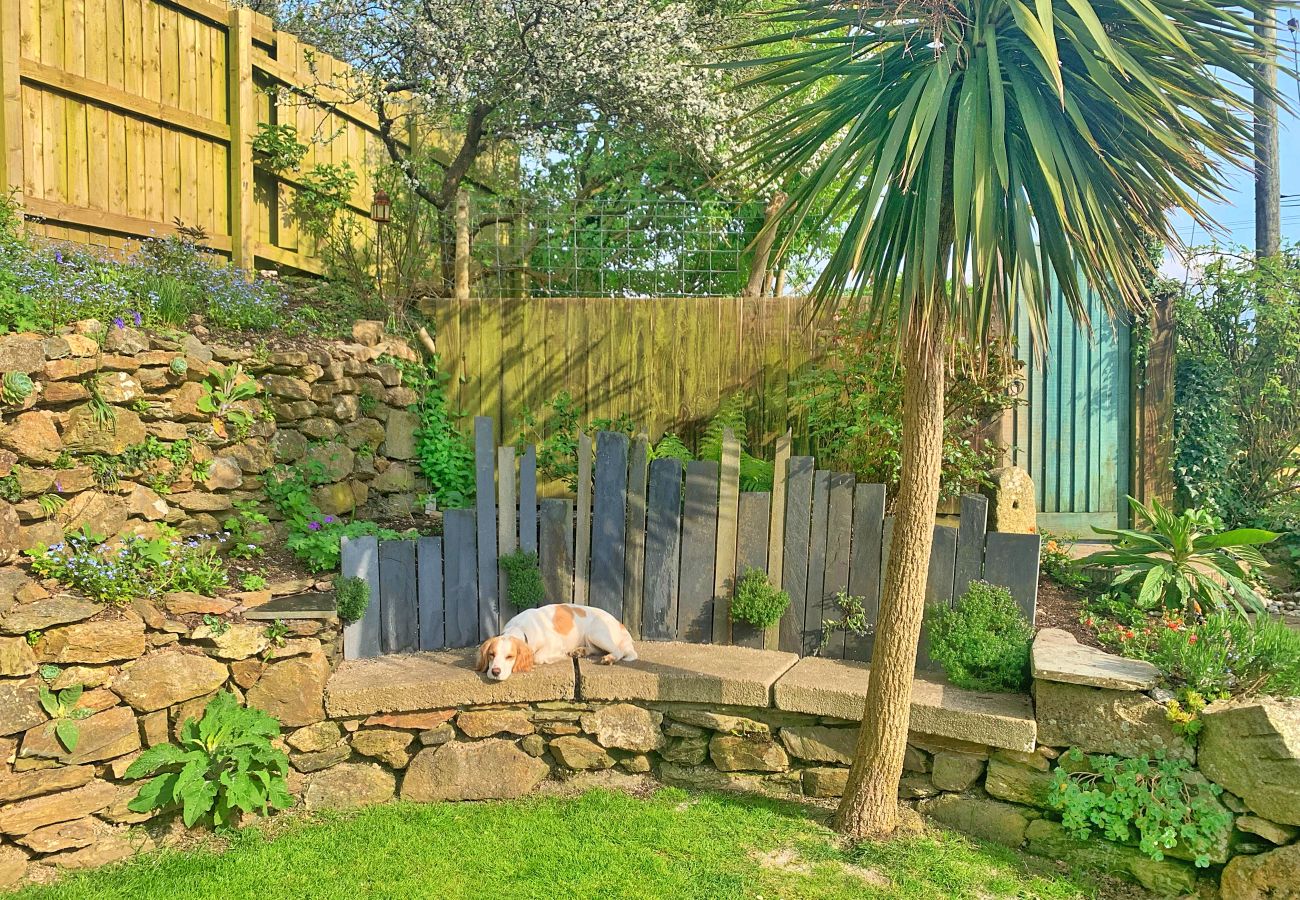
[549,634]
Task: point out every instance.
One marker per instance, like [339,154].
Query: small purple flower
[119,322]
[58,257]
[58,487]
[314,526]
[137,318]
[329,520]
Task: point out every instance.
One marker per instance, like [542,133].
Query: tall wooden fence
[122,116]
[665,362]
[659,545]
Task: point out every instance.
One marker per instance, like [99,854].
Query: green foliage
[1056,563]
[351,597]
[755,473]
[1226,654]
[757,601]
[852,620]
[224,765]
[670,446]
[16,387]
[1184,714]
[216,625]
[64,711]
[983,641]
[524,579]
[225,396]
[10,490]
[251,581]
[851,400]
[1186,561]
[120,571]
[277,633]
[248,529]
[323,193]
[446,456]
[279,147]
[1158,802]
[50,504]
[102,413]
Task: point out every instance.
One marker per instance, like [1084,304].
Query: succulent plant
[16,387]
[179,365]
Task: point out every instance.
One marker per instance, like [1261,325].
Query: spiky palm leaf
[989,149]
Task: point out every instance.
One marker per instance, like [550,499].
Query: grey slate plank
[460,577]
[794,576]
[507,527]
[751,553]
[839,529]
[938,585]
[609,523]
[816,596]
[555,550]
[970,541]
[634,558]
[662,551]
[428,555]
[528,500]
[399,610]
[865,572]
[699,544]
[1011,560]
[360,559]
[489,598]
[582,535]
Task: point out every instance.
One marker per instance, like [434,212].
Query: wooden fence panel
[794,576]
[399,626]
[752,525]
[460,577]
[609,523]
[555,549]
[433,633]
[699,546]
[634,559]
[865,569]
[360,559]
[663,545]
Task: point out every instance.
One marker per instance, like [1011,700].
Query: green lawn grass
[601,844]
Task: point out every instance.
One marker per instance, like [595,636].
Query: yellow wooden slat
[99,220]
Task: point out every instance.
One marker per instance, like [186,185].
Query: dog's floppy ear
[523,657]
[485,655]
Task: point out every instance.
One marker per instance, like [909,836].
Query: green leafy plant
[216,625]
[33,637]
[134,567]
[252,582]
[1184,713]
[1186,561]
[62,708]
[279,147]
[323,192]
[1158,802]
[248,531]
[983,641]
[852,620]
[523,579]
[351,597]
[222,393]
[757,601]
[50,504]
[224,764]
[277,632]
[366,402]
[10,490]
[102,413]
[48,671]
[16,387]
[445,455]
[755,474]
[179,365]
[1056,563]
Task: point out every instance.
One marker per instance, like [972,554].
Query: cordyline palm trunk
[870,805]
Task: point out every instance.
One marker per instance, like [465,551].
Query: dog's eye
[509,657]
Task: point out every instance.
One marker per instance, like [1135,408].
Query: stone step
[832,687]
[1058,656]
[687,673]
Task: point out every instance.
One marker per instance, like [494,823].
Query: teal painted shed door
[1074,432]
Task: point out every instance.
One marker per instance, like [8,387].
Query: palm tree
[984,151]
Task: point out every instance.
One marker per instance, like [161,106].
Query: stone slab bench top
[1058,656]
[416,681]
[687,673]
[832,687]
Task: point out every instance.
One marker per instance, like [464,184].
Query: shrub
[852,620]
[1186,560]
[446,456]
[983,642]
[523,579]
[351,597]
[120,571]
[1152,800]
[1225,655]
[225,764]
[1057,564]
[756,601]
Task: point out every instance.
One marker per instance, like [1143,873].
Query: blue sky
[1236,217]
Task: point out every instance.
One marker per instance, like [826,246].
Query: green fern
[755,473]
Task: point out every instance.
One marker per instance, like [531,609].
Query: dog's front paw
[578,653]
[608,659]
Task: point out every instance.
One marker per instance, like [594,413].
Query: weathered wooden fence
[624,356]
[659,544]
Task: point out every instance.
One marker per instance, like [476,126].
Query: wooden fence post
[1153,448]
[243,124]
[11,97]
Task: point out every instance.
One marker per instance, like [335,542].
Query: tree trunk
[869,809]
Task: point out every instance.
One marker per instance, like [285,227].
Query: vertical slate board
[555,550]
[794,575]
[816,596]
[752,525]
[398,612]
[428,555]
[360,559]
[609,523]
[662,548]
[528,500]
[699,543]
[1011,560]
[507,528]
[634,558]
[970,542]
[839,528]
[865,572]
[582,538]
[776,529]
[460,578]
[938,584]
[725,553]
[489,607]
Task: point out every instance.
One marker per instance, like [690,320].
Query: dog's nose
[496,670]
